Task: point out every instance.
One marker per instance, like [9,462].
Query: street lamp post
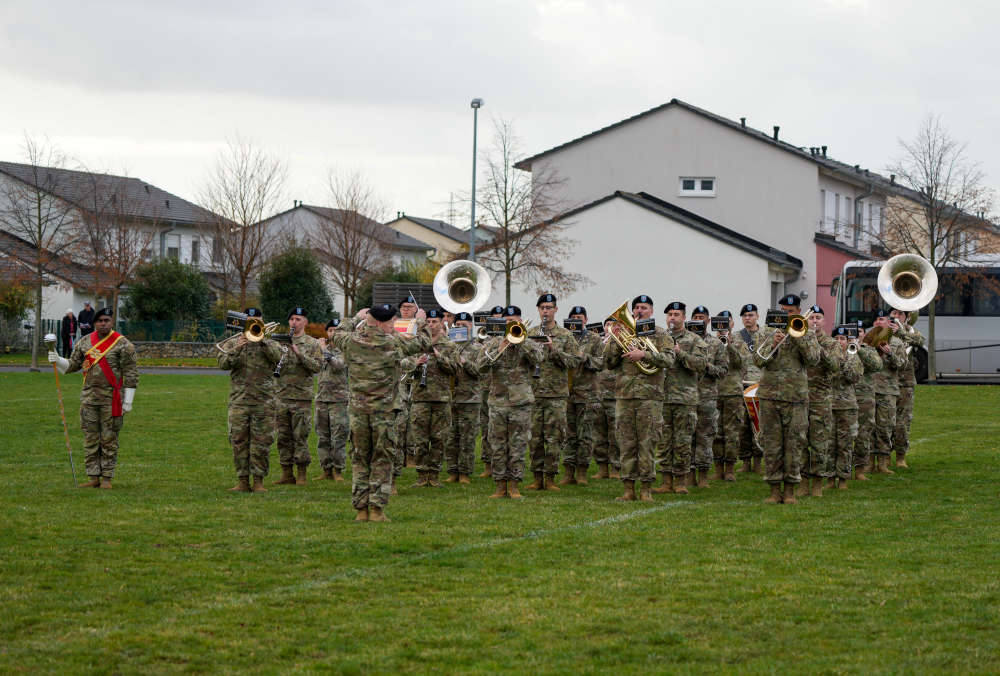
[476,104]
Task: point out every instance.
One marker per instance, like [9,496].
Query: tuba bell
[627,338]
[462,286]
[907,282]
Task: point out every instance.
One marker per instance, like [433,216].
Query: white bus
[967,321]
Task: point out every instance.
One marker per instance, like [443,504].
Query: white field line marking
[962,430]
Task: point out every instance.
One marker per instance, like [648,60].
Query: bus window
[986,295]
[951,297]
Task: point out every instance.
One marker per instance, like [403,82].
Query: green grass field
[24,359]
[169,572]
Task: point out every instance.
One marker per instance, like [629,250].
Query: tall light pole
[476,104]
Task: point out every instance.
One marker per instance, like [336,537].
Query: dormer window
[697,186]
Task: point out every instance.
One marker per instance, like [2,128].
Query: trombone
[253,328]
[797,326]
[515,334]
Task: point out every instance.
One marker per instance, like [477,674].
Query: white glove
[61,364]
[127,400]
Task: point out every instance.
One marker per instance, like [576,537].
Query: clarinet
[281,362]
[423,375]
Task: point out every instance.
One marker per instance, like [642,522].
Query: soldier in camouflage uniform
[639,407]
[864,392]
[332,425]
[680,403]
[706,424]
[584,402]
[784,403]
[510,400]
[293,399]
[430,409]
[751,452]
[466,403]
[894,359]
[110,378]
[845,411]
[551,391]
[606,453]
[914,340]
[732,409]
[251,404]
[816,464]
[372,353]
[408,309]
[485,452]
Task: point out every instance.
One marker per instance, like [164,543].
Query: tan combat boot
[337,475]
[550,482]
[666,483]
[581,476]
[410,461]
[720,472]
[242,485]
[302,479]
[95,482]
[286,476]
[645,492]
[831,482]
[775,497]
[464,479]
[501,491]
[901,460]
[629,495]
[817,487]
[747,466]
[602,471]
[569,475]
[538,484]
[327,474]
[392,486]
[258,485]
[802,490]
[432,479]
[729,471]
[376,514]
[869,467]
[614,473]
[841,484]
[789,497]
[422,480]
[512,491]
[859,473]
[362,514]
[105,482]
[702,478]
[487,471]
[680,483]
[452,478]
[757,468]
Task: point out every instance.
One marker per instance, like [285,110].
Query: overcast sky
[155,88]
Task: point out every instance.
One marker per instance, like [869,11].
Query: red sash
[95,355]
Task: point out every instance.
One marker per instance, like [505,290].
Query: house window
[836,213]
[147,254]
[216,250]
[822,209]
[195,251]
[173,246]
[697,186]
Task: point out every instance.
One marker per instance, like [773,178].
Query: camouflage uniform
[293,400]
[844,405]
[373,359]
[707,420]
[864,391]
[784,404]
[510,403]
[585,402]
[886,393]
[251,402]
[100,427]
[332,426]
[749,446]
[551,391]
[430,408]
[605,434]
[401,422]
[680,405]
[816,453]
[904,403]
[485,452]
[639,405]
[732,410]
[466,405]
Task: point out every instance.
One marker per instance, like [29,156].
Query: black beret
[297,311]
[881,312]
[641,298]
[408,299]
[676,305]
[840,331]
[701,309]
[383,312]
[104,312]
[817,310]
[333,323]
[749,307]
[252,312]
[725,313]
[434,314]
[578,310]
[512,311]
[497,310]
[860,323]
[790,299]
[463,317]
[545,298]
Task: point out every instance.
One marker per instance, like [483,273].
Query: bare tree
[245,187]
[523,211]
[941,215]
[31,211]
[350,235]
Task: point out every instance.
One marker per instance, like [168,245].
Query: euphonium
[625,336]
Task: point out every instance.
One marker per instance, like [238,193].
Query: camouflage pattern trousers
[100,439]
[726,446]
[293,421]
[638,423]
[485,452]
[606,437]
[372,446]
[885,423]
[705,427]
[783,426]
[548,434]
[865,441]
[401,429]
[816,453]
[675,438]
[904,416]
[581,426]
[430,427]
[460,453]
[251,432]
[332,428]
[845,426]
[510,434]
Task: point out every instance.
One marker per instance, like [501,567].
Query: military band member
[510,402]
[466,402]
[606,453]
[110,378]
[372,353]
[485,452]
[293,399]
[408,309]
[551,391]
[751,452]
[732,409]
[332,425]
[706,424]
[680,403]
[251,404]
[584,402]
[784,403]
[913,340]
[864,392]
[816,464]
[844,404]
[639,401]
[894,359]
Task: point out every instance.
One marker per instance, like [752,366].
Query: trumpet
[627,338]
[797,326]
[852,347]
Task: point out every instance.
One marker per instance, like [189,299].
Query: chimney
[824,150]
[776,128]
[892,179]
[147,189]
[857,168]
[743,122]
[168,203]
